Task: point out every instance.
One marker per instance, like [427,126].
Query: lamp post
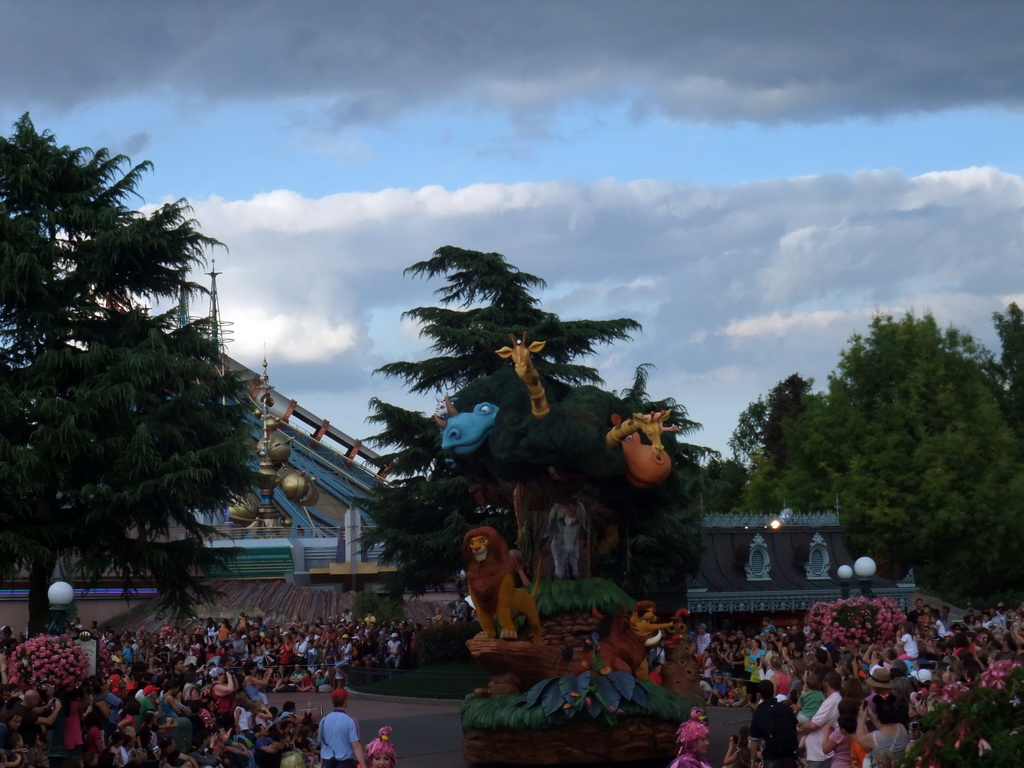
[845,573]
[61,595]
[865,568]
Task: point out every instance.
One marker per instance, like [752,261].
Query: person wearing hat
[693,738]
[223,691]
[879,682]
[381,752]
[338,736]
[148,699]
[344,652]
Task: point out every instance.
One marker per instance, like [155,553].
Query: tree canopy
[1007,370]
[115,425]
[527,463]
[909,436]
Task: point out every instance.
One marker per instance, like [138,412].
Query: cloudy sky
[751,181]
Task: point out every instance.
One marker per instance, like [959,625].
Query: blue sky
[750,181]
[261,147]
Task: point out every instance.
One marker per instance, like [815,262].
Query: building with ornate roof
[761,565]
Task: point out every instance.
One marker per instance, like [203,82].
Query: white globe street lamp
[865,568]
[845,573]
[61,595]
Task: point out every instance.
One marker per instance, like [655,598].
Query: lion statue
[489,570]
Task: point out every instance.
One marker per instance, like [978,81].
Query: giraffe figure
[651,424]
[520,354]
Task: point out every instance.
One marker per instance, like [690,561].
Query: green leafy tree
[762,440]
[911,439]
[747,440]
[385,609]
[421,517]
[725,482]
[786,404]
[114,424]
[760,435]
[1007,371]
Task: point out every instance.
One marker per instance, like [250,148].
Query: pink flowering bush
[104,660]
[49,662]
[857,620]
[979,726]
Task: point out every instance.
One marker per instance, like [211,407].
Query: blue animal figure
[464,433]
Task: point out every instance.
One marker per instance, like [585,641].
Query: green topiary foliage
[602,695]
[563,596]
[509,712]
[446,644]
[647,537]
[384,608]
[571,435]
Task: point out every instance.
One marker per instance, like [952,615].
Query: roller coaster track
[341,471]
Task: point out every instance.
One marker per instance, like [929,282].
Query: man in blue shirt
[338,735]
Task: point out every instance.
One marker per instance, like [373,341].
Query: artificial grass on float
[566,596]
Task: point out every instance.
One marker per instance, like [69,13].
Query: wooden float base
[581,741]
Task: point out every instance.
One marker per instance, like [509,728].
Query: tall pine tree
[421,518]
[115,425]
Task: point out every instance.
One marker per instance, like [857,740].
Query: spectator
[889,735]
[839,740]
[737,753]
[774,723]
[394,651]
[338,736]
[825,717]
[703,639]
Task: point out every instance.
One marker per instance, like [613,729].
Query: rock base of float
[577,742]
[515,666]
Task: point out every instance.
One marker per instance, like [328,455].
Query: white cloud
[737,287]
[787,324]
[987,186]
[288,336]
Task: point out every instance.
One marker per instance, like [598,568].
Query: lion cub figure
[491,585]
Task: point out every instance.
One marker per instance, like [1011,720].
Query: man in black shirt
[774,724]
[35,715]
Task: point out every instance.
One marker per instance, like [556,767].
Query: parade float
[566,650]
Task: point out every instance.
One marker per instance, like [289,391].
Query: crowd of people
[193,697]
[186,698]
[821,705]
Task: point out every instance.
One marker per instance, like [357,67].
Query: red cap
[339,696]
[149,689]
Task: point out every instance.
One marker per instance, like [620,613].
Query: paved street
[427,733]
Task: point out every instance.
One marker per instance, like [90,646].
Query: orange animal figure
[619,646]
[651,424]
[489,573]
[646,465]
[645,621]
[521,357]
